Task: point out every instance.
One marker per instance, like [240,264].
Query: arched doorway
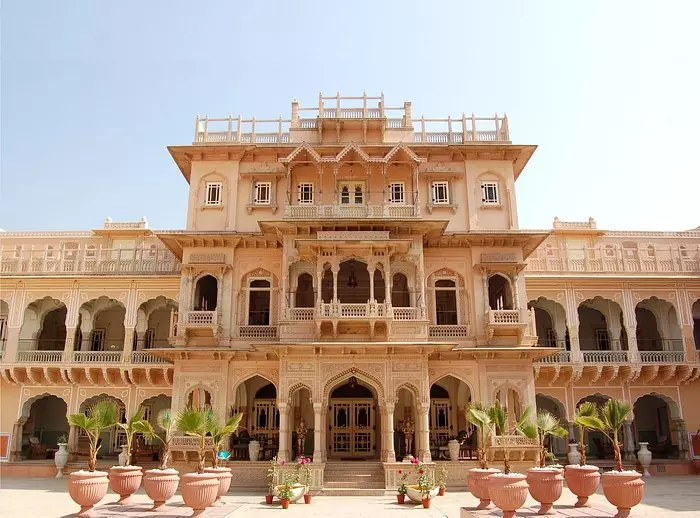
[301,414]
[111,440]
[144,449]
[400,296]
[256,399]
[304,296]
[598,446]
[46,424]
[653,423]
[557,445]
[500,294]
[353,282]
[352,420]
[44,326]
[206,293]
[550,319]
[404,411]
[449,397]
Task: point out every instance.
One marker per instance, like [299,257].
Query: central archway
[353,421]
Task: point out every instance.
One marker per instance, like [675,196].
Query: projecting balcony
[258,332]
[198,323]
[342,310]
[387,211]
[97,356]
[39,356]
[558,357]
[509,322]
[447,332]
[662,356]
[605,356]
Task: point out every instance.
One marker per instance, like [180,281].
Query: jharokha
[351,279]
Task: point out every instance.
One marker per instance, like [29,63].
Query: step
[352,492]
[358,485]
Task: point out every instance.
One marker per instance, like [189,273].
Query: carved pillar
[420,281]
[318,430]
[335,269]
[319,282]
[424,444]
[514,287]
[16,446]
[416,189]
[389,433]
[485,281]
[370,271]
[678,427]
[11,343]
[68,344]
[628,441]
[128,344]
[324,434]
[572,323]
[283,453]
[86,334]
[73,442]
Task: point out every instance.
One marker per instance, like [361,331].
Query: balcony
[146,357]
[97,356]
[448,332]
[39,356]
[604,356]
[386,211]
[258,332]
[558,357]
[662,356]
[509,322]
[342,310]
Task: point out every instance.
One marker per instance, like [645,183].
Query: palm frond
[82,421]
[105,414]
[614,413]
[165,419]
[479,417]
[498,416]
[192,421]
[145,428]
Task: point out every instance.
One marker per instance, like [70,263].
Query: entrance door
[352,428]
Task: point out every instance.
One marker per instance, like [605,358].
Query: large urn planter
[416,495]
[644,457]
[124,481]
[160,485]
[224,476]
[574,457]
[508,492]
[253,450]
[582,481]
[623,489]
[199,490]
[86,488]
[297,492]
[60,458]
[477,481]
[546,485]
[453,449]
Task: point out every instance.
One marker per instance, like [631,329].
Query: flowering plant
[271,475]
[285,490]
[441,477]
[403,476]
[425,479]
[303,470]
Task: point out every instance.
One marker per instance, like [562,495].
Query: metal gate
[352,428]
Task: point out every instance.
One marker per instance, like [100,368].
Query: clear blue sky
[92,92]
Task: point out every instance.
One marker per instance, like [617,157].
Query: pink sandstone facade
[353,267]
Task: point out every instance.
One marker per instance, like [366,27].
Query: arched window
[446,302]
[259,302]
[199,397]
[206,293]
[500,296]
[304,297]
[400,296]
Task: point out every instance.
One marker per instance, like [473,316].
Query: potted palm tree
[482,419]
[623,488]
[218,435]
[199,490]
[161,483]
[126,479]
[507,490]
[582,479]
[86,488]
[545,482]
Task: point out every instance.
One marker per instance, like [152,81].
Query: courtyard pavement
[48,498]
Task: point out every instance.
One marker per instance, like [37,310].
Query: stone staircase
[353,478]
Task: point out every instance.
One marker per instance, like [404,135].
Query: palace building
[356,271]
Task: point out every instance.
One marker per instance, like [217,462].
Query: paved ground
[48,498]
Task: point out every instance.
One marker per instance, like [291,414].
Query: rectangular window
[90,251]
[396,193]
[262,193]
[601,339]
[98,338]
[149,338]
[18,251]
[49,252]
[213,193]
[352,193]
[306,193]
[441,193]
[489,193]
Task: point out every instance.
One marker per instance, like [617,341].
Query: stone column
[678,427]
[633,351]
[73,442]
[628,441]
[68,344]
[283,453]
[424,443]
[128,344]
[318,431]
[389,433]
[370,271]
[11,344]
[576,355]
[335,269]
[16,445]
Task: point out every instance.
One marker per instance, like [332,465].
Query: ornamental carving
[353,235]
[207,258]
[499,258]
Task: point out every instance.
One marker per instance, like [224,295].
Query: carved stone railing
[97,356]
[351,310]
[604,356]
[662,356]
[200,318]
[350,211]
[406,313]
[187,443]
[146,357]
[518,447]
[558,357]
[506,317]
[449,332]
[40,356]
[258,332]
[301,314]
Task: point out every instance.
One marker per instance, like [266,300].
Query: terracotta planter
[307,498]
[441,492]
[623,489]
[86,488]
[477,483]
[224,475]
[582,481]
[160,485]
[199,491]
[268,499]
[124,481]
[426,503]
[401,498]
[546,485]
[285,503]
[508,492]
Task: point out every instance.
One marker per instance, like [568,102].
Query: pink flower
[414,460]
[283,462]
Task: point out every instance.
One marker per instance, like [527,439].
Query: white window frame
[400,200]
[252,288]
[213,194]
[454,289]
[489,193]
[261,187]
[305,188]
[352,185]
[434,190]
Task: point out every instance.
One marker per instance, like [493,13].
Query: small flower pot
[268,499]
[285,503]
[199,491]
[477,480]
[160,485]
[307,498]
[401,498]
[441,492]
[546,485]
[86,488]
[125,480]
[582,481]
[508,492]
[224,476]
[623,489]
[426,503]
